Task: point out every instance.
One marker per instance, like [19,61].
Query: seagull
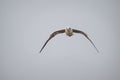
[69,32]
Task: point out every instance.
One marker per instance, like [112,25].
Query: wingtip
[97,50]
[39,52]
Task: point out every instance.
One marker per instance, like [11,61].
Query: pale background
[26,24]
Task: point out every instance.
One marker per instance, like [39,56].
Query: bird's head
[69,32]
[68,29]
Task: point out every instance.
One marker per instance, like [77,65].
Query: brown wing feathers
[51,36]
[78,31]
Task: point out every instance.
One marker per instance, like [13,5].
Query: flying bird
[69,32]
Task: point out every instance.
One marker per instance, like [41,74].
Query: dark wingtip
[97,51]
[96,48]
[40,51]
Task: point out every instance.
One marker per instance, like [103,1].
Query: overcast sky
[25,25]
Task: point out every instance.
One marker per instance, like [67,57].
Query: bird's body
[69,32]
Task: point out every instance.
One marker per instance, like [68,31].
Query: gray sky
[26,25]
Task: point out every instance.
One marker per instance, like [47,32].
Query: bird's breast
[69,33]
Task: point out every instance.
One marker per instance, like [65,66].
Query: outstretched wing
[81,32]
[51,36]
